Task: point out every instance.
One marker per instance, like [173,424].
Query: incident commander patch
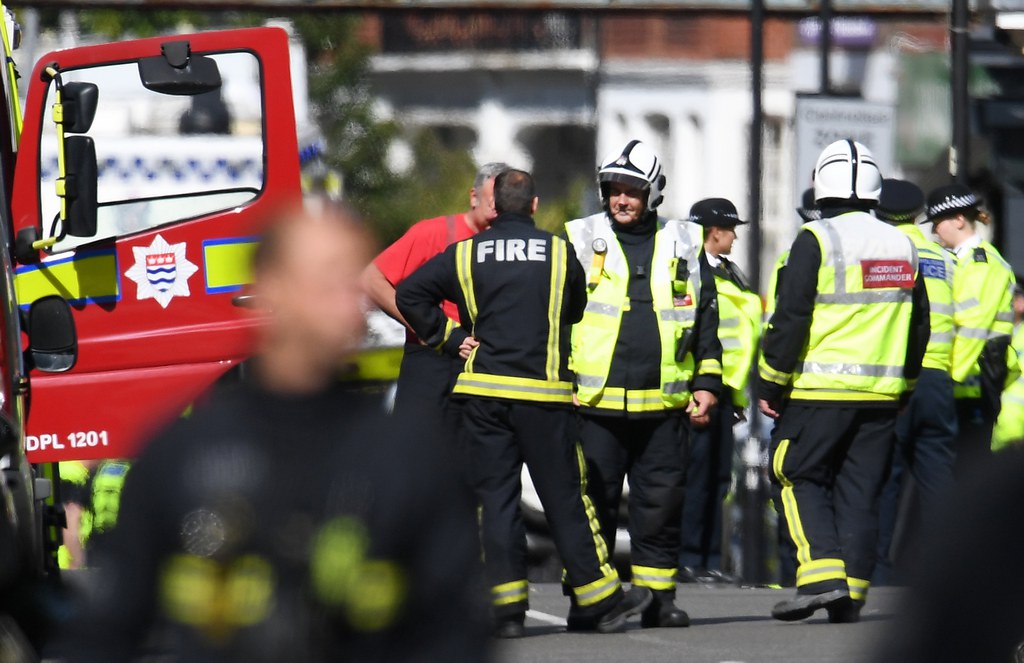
[887,274]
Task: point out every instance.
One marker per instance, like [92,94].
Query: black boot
[803,606]
[663,612]
[848,613]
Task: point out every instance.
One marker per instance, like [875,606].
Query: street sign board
[821,120]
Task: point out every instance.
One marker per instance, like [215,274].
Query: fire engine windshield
[163,158]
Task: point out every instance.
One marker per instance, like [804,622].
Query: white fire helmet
[846,170]
[635,165]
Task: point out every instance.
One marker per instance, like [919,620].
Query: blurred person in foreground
[288,519]
[950,615]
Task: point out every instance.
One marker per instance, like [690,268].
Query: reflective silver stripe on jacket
[678,314]
[867,297]
[866,370]
[597,308]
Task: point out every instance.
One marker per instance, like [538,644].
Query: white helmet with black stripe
[637,166]
[846,171]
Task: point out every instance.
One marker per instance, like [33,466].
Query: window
[164,158]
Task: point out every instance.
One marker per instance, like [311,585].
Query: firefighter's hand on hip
[468,346]
[699,407]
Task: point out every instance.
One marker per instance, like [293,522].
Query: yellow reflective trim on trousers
[858,588]
[820,570]
[521,389]
[227,263]
[83,277]
[592,520]
[558,269]
[596,591]
[605,586]
[770,374]
[654,578]
[516,591]
[464,270]
[789,506]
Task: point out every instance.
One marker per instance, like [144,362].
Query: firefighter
[709,467]
[926,427]
[983,283]
[288,519]
[843,346]
[519,289]
[646,352]
[426,377]
[1009,428]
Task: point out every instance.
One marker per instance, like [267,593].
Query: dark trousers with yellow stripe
[501,436]
[651,452]
[829,465]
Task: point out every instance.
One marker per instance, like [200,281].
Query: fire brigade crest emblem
[161,271]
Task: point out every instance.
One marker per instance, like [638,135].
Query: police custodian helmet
[635,165]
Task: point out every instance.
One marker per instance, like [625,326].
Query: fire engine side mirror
[80,101]
[177,71]
[80,186]
[52,339]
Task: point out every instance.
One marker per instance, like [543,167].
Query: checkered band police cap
[950,200]
[715,212]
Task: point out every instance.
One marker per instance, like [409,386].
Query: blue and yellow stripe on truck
[85,277]
[227,263]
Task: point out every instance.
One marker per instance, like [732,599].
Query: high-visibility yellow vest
[982,310]
[106,493]
[676,301]
[739,326]
[1009,426]
[936,264]
[857,344]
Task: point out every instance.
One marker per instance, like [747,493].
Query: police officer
[926,427]
[519,289]
[843,345]
[709,469]
[645,352]
[1009,428]
[808,211]
[983,318]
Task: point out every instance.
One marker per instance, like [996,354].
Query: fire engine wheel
[14,646]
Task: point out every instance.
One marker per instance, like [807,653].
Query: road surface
[729,625]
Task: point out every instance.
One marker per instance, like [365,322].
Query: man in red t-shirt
[426,376]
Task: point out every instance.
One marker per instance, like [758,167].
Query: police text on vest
[512,250]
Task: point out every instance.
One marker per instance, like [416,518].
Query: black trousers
[925,450]
[708,477]
[501,436]
[828,468]
[425,380]
[974,439]
[651,453]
